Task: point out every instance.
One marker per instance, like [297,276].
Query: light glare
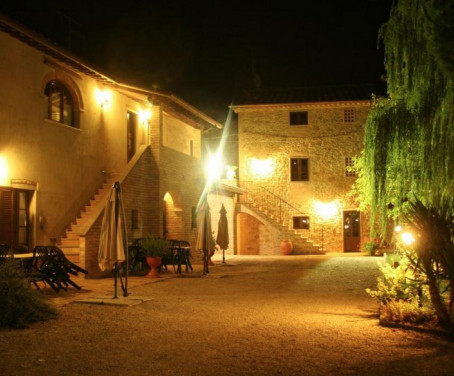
[407,238]
[262,167]
[103,97]
[3,171]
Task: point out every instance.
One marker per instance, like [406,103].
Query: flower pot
[210,255]
[153,263]
[286,247]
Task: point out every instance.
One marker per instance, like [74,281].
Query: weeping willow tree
[409,138]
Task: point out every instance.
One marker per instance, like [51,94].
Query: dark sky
[207,52]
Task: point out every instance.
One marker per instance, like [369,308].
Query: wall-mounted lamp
[213,167]
[3,171]
[262,168]
[326,210]
[103,97]
[144,116]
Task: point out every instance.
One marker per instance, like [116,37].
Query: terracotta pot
[153,263]
[286,247]
[210,262]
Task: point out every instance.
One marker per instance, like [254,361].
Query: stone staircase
[70,241]
[302,245]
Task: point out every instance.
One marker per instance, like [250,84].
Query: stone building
[69,132]
[296,148]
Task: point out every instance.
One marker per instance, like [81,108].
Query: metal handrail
[276,206]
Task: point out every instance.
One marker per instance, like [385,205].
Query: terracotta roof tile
[311,94]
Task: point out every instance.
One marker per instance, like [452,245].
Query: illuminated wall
[267,142]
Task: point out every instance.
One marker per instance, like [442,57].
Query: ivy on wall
[409,137]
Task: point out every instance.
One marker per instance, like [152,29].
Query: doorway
[14,217]
[352,226]
[131,134]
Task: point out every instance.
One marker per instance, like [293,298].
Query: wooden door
[14,216]
[352,228]
[131,135]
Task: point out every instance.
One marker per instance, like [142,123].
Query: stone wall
[265,134]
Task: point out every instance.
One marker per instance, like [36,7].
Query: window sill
[53,122]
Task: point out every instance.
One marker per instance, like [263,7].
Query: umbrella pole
[223,256]
[125,243]
[116,283]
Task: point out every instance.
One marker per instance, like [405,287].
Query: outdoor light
[398,228]
[230,174]
[3,171]
[262,168]
[213,167]
[407,238]
[326,210]
[144,116]
[103,97]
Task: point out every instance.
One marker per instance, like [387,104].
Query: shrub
[402,292]
[407,312]
[20,305]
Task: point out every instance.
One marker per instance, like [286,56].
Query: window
[301,223]
[349,164]
[134,219]
[193,217]
[349,115]
[299,169]
[298,118]
[131,134]
[60,106]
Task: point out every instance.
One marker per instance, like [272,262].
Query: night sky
[207,52]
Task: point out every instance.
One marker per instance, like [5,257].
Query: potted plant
[155,248]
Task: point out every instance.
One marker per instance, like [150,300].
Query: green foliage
[154,246]
[402,292]
[399,281]
[407,311]
[409,138]
[20,305]
[369,247]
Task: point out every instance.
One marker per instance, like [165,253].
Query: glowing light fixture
[144,116]
[398,228]
[3,171]
[230,174]
[262,168]
[407,238]
[213,167]
[103,97]
[326,210]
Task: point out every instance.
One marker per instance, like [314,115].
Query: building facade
[296,150]
[68,133]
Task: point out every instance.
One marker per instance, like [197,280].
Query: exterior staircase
[279,214]
[70,241]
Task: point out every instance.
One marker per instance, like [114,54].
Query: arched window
[60,104]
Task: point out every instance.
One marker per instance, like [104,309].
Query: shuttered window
[299,169]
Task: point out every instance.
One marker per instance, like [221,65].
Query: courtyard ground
[283,315]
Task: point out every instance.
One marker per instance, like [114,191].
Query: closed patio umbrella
[222,238]
[204,235]
[113,241]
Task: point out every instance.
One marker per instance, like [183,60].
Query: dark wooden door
[14,216]
[131,135]
[352,228]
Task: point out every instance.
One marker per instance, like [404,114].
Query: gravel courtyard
[283,315]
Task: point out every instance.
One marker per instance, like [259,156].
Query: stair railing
[274,206]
